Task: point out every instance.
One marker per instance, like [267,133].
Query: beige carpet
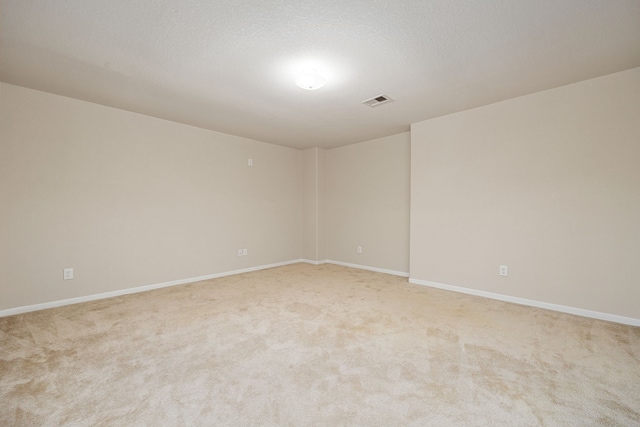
[306,345]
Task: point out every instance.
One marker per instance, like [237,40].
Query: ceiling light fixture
[310,80]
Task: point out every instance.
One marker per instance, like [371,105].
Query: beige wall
[548,184]
[322,205]
[368,203]
[129,200]
[313,172]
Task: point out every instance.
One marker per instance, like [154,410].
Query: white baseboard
[366,267]
[60,303]
[532,303]
[361,267]
[309,261]
[500,297]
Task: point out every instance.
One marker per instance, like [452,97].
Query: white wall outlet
[244,252]
[67,274]
[249,162]
[239,252]
[504,270]
[359,249]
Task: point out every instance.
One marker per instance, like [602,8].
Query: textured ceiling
[230,65]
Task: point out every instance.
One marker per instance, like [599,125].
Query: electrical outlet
[67,274]
[359,249]
[239,252]
[244,252]
[249,162]
[504,270]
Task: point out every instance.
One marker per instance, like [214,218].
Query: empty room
[295,213]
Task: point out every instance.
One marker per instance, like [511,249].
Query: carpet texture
[305,345]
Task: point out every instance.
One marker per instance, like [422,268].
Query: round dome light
[310,80]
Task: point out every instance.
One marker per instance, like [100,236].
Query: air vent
[377,100]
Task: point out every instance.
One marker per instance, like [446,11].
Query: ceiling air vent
[377,100]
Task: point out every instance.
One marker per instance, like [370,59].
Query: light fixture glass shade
[310,80]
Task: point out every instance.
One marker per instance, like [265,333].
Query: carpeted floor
[307,345]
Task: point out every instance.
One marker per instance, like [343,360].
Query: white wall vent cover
[377,100]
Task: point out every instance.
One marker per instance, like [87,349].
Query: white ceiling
[230,65]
